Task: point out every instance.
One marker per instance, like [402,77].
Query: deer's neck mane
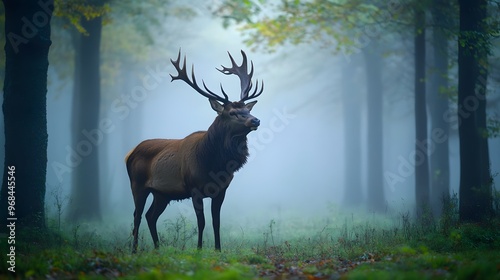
[222,151]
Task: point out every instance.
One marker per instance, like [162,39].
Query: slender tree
[421,151]
[374,90]
[351,98]
[27,31]
[438,105]
[473,48]
[86,138]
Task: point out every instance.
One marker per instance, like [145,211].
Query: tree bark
[27,30]
[86,137]
[353,193]
[475,187]
[376,194]
[421,151]
[438,106]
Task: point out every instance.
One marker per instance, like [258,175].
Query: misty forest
[135,146]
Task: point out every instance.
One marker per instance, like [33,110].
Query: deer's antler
[240,71]
[182,75]
[245,77]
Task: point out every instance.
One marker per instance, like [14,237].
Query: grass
[347,247]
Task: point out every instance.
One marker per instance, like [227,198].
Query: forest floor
[351,249]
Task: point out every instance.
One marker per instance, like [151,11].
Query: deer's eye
[232,113]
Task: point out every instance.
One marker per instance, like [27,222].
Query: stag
[203,163]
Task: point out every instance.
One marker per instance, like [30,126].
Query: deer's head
[235,115]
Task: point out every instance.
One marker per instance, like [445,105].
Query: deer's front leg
[200,217]
[216,206]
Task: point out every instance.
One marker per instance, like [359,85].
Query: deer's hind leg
[140,196]
[160,202]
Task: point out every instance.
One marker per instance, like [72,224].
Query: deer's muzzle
[254,123]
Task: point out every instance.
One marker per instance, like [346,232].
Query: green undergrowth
[350,246]
[157,264]
[410,263]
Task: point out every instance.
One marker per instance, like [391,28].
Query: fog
[297,155]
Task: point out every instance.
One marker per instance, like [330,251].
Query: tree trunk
[421,151]
[353,193]
[27,29]
[376,195]
[86,136]
[438,105]
[475,187]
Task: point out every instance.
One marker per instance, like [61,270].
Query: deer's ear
[249,106]
[216,106]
